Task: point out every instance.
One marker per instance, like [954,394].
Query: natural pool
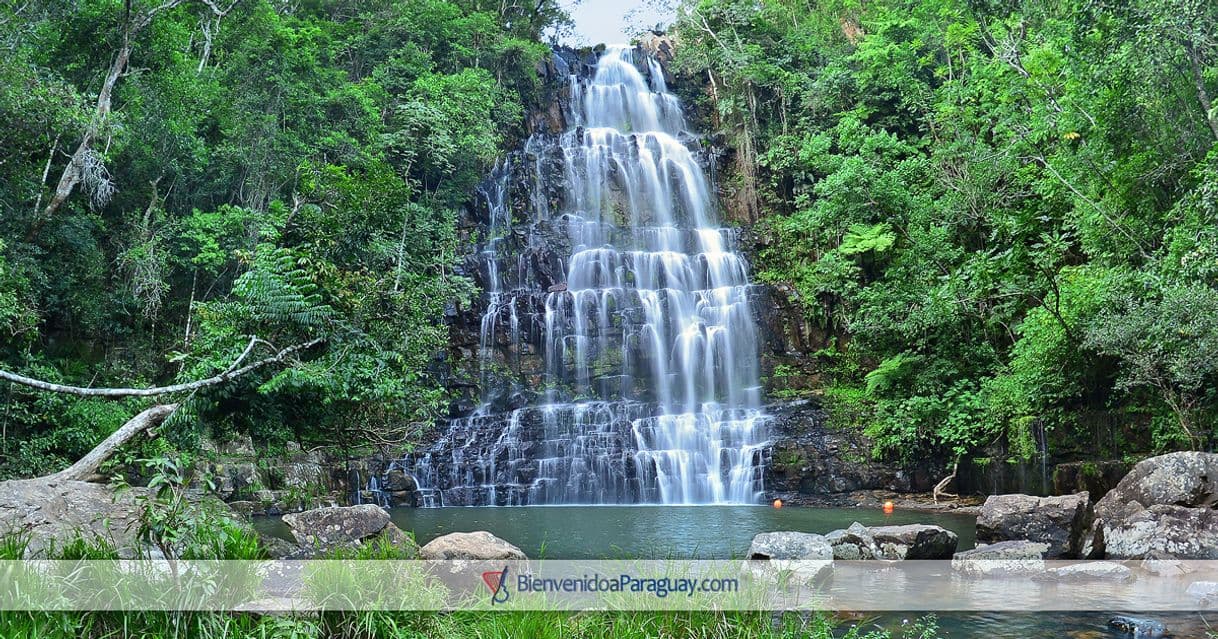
[596,532]
[609,532]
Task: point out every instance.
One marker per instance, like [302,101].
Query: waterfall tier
[620,311]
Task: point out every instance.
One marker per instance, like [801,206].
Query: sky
[606,21]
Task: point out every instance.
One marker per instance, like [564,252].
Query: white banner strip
[982,585]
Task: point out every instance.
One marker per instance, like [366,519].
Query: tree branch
[227,375]
[86,466]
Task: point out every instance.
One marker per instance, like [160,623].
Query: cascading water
[629,296]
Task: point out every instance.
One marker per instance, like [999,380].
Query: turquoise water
[607,532]
[719,532]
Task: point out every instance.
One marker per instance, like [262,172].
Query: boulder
[479,546]
[53,513]
[1205,592]
[1186,479]
[1059,522]
[1163,531]
[914,541]
[396,480]
[1002,558]
[1137,626]
[339,525]
[790,545]
[1164,567]
[1164,506]
[805,557]
[1090,571]
[855,542]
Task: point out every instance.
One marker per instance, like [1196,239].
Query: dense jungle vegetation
[180,175]
[1005,212]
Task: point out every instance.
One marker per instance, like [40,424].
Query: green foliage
[1006,208]
[290,172]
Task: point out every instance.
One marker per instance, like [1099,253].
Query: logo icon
[496,580]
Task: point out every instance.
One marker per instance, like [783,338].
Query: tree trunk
[86,466]
[1203,96]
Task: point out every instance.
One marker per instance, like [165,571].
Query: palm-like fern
[278,291]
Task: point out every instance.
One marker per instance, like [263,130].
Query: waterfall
[625,322]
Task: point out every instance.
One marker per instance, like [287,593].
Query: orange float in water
[888,507]
[778,503]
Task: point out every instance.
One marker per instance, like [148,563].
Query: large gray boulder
[806,557]
[1164,506]
[1163,531]
[1002,558]
[1109,571]
[336,525]
[322,529]
[853,543]
[1060,522]
[914,541]
[790,545]
[479,546]
[54,513]
[1188,479]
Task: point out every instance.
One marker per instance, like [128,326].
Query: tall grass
[233,540]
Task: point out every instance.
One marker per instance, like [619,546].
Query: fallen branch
[227,375]
[942,485]
[86,466]
[150,418]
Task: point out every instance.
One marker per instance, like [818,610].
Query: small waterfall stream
[619,309]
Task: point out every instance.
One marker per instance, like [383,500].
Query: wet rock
[337,525]
[479,546]
[1090,571]
[1155,565]
[398,480]
[277,548]
[1060,522]
[1002,558]
[914,541]
[853,543]
[1137,626]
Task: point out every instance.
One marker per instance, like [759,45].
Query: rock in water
[1171,531]
[1060,522]
[1002,558]
[343,526]
[805,555]
[336,525]
[479,546]
[1163,507]
[855,542]
[1187,479]
[1090,571]
[915,541]
[1205,592]
[790,545]
[1138,627]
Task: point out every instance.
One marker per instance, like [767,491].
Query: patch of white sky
[612,21]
